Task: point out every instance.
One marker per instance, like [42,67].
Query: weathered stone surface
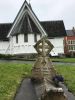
[54,96]
[43,47]
[43,73]
[43,68]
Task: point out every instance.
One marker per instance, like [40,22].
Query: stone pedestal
[43,69]
[55,96]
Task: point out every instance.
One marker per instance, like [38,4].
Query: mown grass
[68,72]
[68,60]
[10,77]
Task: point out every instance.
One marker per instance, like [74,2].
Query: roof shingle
[4,29]
[52,28]
[70,33]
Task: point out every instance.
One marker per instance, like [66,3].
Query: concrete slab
[69,95]
[26,91]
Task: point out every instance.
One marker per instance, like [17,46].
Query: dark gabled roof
[4,29]
[22,22]
[70,33]
[54,28]
[26,25]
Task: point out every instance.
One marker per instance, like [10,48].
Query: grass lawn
[11,75]
[68,60]
[68,71]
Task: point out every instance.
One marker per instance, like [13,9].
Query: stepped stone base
[43,73]
[55,96]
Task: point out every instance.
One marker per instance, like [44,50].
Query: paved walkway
[27,91]
[70,96]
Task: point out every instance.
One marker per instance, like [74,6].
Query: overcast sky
[44,10]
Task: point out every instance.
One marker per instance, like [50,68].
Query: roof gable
[26,25]
[25,14]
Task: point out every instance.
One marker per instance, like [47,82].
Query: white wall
[21,46]
[58,46]
[27,47]
[3,47]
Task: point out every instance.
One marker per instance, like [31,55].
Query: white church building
[20,36]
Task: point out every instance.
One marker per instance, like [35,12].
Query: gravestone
[43,73]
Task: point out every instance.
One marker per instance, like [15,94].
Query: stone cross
[43,47]
[43,68]
[43,73]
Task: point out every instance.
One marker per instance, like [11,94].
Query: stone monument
[43,73]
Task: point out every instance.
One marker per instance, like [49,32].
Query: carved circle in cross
[43,47]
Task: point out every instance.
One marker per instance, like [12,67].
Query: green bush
[5,56]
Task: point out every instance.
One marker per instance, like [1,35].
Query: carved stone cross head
[43,46]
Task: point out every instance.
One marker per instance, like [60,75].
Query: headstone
[43,73]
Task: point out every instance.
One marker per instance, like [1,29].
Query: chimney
[73,29]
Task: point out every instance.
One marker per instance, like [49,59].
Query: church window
[35,37]
[25,37]
[16,38]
